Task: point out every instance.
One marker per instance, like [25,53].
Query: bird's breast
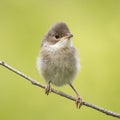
[59,66]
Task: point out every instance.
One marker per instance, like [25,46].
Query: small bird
[58,61]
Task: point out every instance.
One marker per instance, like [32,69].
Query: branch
[100,109]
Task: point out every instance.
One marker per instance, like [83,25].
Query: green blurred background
[96,28]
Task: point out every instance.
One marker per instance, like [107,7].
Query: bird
[58,61]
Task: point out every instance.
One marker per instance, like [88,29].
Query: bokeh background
[96,28]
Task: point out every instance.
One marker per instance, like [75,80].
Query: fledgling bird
[58,60]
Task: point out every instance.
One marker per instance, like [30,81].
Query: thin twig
[105,111]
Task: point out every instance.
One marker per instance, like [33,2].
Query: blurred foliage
[96,28]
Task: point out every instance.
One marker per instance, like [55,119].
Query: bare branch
[105,111]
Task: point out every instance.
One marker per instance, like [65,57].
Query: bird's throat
[63,43]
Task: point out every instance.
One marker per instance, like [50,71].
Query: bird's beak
[68,36]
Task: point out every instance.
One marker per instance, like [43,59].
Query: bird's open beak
[68,36]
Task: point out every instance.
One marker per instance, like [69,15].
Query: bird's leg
[48,88]
[79,99]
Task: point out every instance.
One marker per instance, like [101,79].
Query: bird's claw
[78,102]
[47,89]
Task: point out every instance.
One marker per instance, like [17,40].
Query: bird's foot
[47,89]
[78,102]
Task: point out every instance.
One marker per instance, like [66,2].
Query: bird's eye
[57,36]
